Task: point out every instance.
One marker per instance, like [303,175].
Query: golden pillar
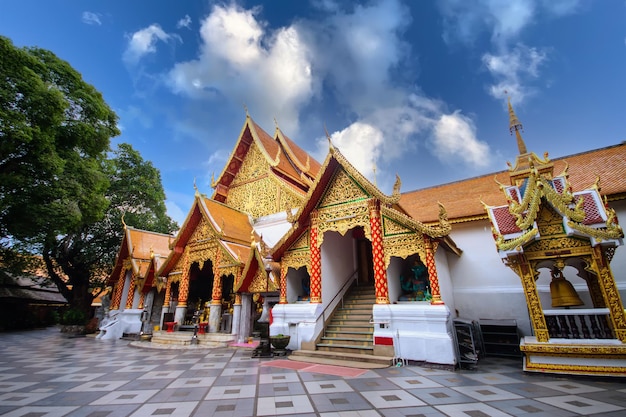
[119,287]
[432,271]
[142,298]
[526,272]
[131,292]
[216,296]
[610,293]
[378,254]
[183,283]
[316,262]
[283,285]
[168,292]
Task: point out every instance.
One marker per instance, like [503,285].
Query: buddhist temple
[315,251]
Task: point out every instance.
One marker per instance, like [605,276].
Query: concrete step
[346,341]
[350,329]
[185,339]
[361,350]
[351,360]
[348,334]
[352,315]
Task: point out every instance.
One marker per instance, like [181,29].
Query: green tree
[62,192]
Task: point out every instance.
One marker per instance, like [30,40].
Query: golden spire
[515,126]
[123,222]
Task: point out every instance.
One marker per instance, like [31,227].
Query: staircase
[349,336]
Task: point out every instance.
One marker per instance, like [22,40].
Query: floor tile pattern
[43,374]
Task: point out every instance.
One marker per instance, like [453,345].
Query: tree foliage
[62,191]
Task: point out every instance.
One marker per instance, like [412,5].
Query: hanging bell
[562,291]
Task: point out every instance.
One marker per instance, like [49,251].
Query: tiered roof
[288,162]
[231,227]
[141,248]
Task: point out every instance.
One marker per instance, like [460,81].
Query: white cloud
[455,139]
[144,42]
[513,70]
[268,71]
[562,7]
[354,54]
[513,65]
[91,18]
[360,143]
[185,22]
[385,135]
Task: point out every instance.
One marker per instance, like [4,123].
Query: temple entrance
[200,290]
[364,256]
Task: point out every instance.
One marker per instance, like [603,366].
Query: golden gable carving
[342,189]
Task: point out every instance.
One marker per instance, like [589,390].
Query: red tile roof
[462,199]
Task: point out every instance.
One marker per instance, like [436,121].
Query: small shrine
[552,236]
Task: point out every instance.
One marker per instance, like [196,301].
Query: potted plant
[73,323]
[280,341]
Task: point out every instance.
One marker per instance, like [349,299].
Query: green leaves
[62,191]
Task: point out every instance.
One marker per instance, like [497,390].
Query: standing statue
[416,286]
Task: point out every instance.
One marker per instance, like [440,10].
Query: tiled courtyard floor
[45,374]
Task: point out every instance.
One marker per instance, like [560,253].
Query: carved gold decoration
[127,264]
[253,166]
[442,229]
[613,231]
[527,274]
[403,246]
[342,189]
[262,283]
[580,351]
[391,227]
[506,245]
[302,242]
[263,196]
[343,217]
[550,247]
[297,259]
[256,191]
[611,294]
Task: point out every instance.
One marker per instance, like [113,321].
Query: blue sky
[415,88]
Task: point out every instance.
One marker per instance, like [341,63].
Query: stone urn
[280,341]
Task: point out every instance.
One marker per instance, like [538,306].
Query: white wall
[338,263]
[294,283]
[445,280]
[483,287]
[393,278]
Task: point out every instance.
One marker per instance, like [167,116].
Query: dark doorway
[366,262]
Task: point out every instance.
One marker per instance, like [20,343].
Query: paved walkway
[44,374]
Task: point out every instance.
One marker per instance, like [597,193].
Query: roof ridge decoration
[365,183]
[443,229]
[532,183]
[252,126]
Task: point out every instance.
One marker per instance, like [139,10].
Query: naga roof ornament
[533,186]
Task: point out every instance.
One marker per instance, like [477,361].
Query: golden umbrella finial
[516,126]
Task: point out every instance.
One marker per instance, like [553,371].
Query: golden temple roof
[140,247]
